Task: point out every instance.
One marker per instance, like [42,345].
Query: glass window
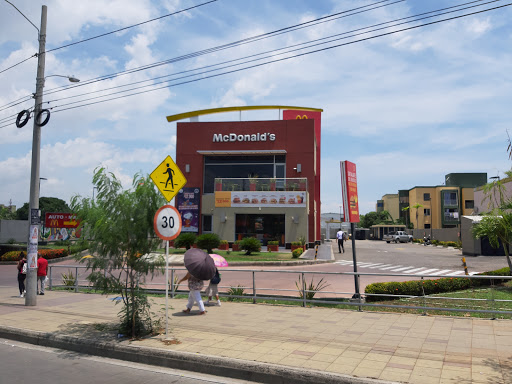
[450,198]
[427,226]
[469,204]
[426,211]
[240,167]
[263,227]
[451,214]
[426,196]
[207,223]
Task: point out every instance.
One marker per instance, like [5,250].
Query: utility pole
[34,213]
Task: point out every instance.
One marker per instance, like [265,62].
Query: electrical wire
[292,57]
[21,62]
[130,26]
[234,44]
[272,52]
[310,23]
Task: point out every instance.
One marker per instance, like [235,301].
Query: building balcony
[261,184]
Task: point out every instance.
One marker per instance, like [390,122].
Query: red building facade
[257,178]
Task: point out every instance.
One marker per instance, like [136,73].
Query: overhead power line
[290,57]
[310,23]
[271,53]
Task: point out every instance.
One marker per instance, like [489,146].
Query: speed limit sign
[167,222]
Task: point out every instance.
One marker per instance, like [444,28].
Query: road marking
[427,272]
[420,271]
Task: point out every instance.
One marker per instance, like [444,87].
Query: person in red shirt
[42,271]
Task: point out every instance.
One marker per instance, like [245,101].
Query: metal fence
[294,288]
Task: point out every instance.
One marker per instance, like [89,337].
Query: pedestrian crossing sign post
[168,178]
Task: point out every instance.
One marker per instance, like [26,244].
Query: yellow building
[389,202]
[438,206]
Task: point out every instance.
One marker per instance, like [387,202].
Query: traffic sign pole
[167,225]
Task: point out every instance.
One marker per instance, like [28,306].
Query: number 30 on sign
[167,222]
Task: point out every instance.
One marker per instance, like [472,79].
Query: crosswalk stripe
[393,266]
[408,271]
[427,272]
[405,270]
[401,269]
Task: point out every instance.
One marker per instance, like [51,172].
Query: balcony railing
[261,184]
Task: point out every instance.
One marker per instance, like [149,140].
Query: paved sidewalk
[278,344]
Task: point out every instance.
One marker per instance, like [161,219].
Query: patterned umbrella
[199,264]
[219,260]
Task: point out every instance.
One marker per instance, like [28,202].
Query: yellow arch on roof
[200,112]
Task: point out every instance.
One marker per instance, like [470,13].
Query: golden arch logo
[299,117]
[54,223]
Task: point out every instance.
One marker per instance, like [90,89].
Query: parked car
[397,237]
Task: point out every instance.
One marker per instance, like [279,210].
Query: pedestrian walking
[42,271]
[195,286]
[340,235]
[213,288]
[22,273]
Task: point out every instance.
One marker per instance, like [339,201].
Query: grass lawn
[240,256]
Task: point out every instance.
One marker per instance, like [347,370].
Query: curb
[213,365]
[265,263]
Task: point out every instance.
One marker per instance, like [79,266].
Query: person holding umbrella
[200,267]
[195,286]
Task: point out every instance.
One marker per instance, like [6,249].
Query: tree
[406,211]
[373,218]
[120,225]
[417,206]
[6,213]
[46,204]
[497,227]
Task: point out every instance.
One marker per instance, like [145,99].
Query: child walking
[213,288]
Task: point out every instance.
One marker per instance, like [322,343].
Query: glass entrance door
[263,227]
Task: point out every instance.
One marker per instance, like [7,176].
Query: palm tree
[417,206]
[406,210]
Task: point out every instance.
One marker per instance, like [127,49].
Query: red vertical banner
[349,191]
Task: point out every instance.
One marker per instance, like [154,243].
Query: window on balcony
[267,166]
[450,198]
[451,214]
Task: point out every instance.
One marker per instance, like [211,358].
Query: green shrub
[224,242]
[235,291]
[68,279]
[185,240]
[429,287]
[297,243]
[310,289]
[250,244]
[297,252]
[12,240]
[273,243]
[208,241]
[12,256]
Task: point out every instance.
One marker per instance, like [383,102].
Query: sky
[407,107]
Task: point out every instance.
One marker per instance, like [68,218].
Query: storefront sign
[187,202]
[349,191]
[60,220]
[260,199]
[233,137]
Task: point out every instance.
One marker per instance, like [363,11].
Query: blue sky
[407,108]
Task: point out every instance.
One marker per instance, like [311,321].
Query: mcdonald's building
[251,178]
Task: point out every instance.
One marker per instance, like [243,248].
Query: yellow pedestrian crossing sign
[168,178]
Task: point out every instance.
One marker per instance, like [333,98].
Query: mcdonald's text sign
[60,220]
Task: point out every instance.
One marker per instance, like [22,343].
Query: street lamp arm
[72,79]
[23,15]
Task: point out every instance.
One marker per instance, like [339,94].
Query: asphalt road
[384,262]
[27,363]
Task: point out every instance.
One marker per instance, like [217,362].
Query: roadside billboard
[349,191]
[187,203]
